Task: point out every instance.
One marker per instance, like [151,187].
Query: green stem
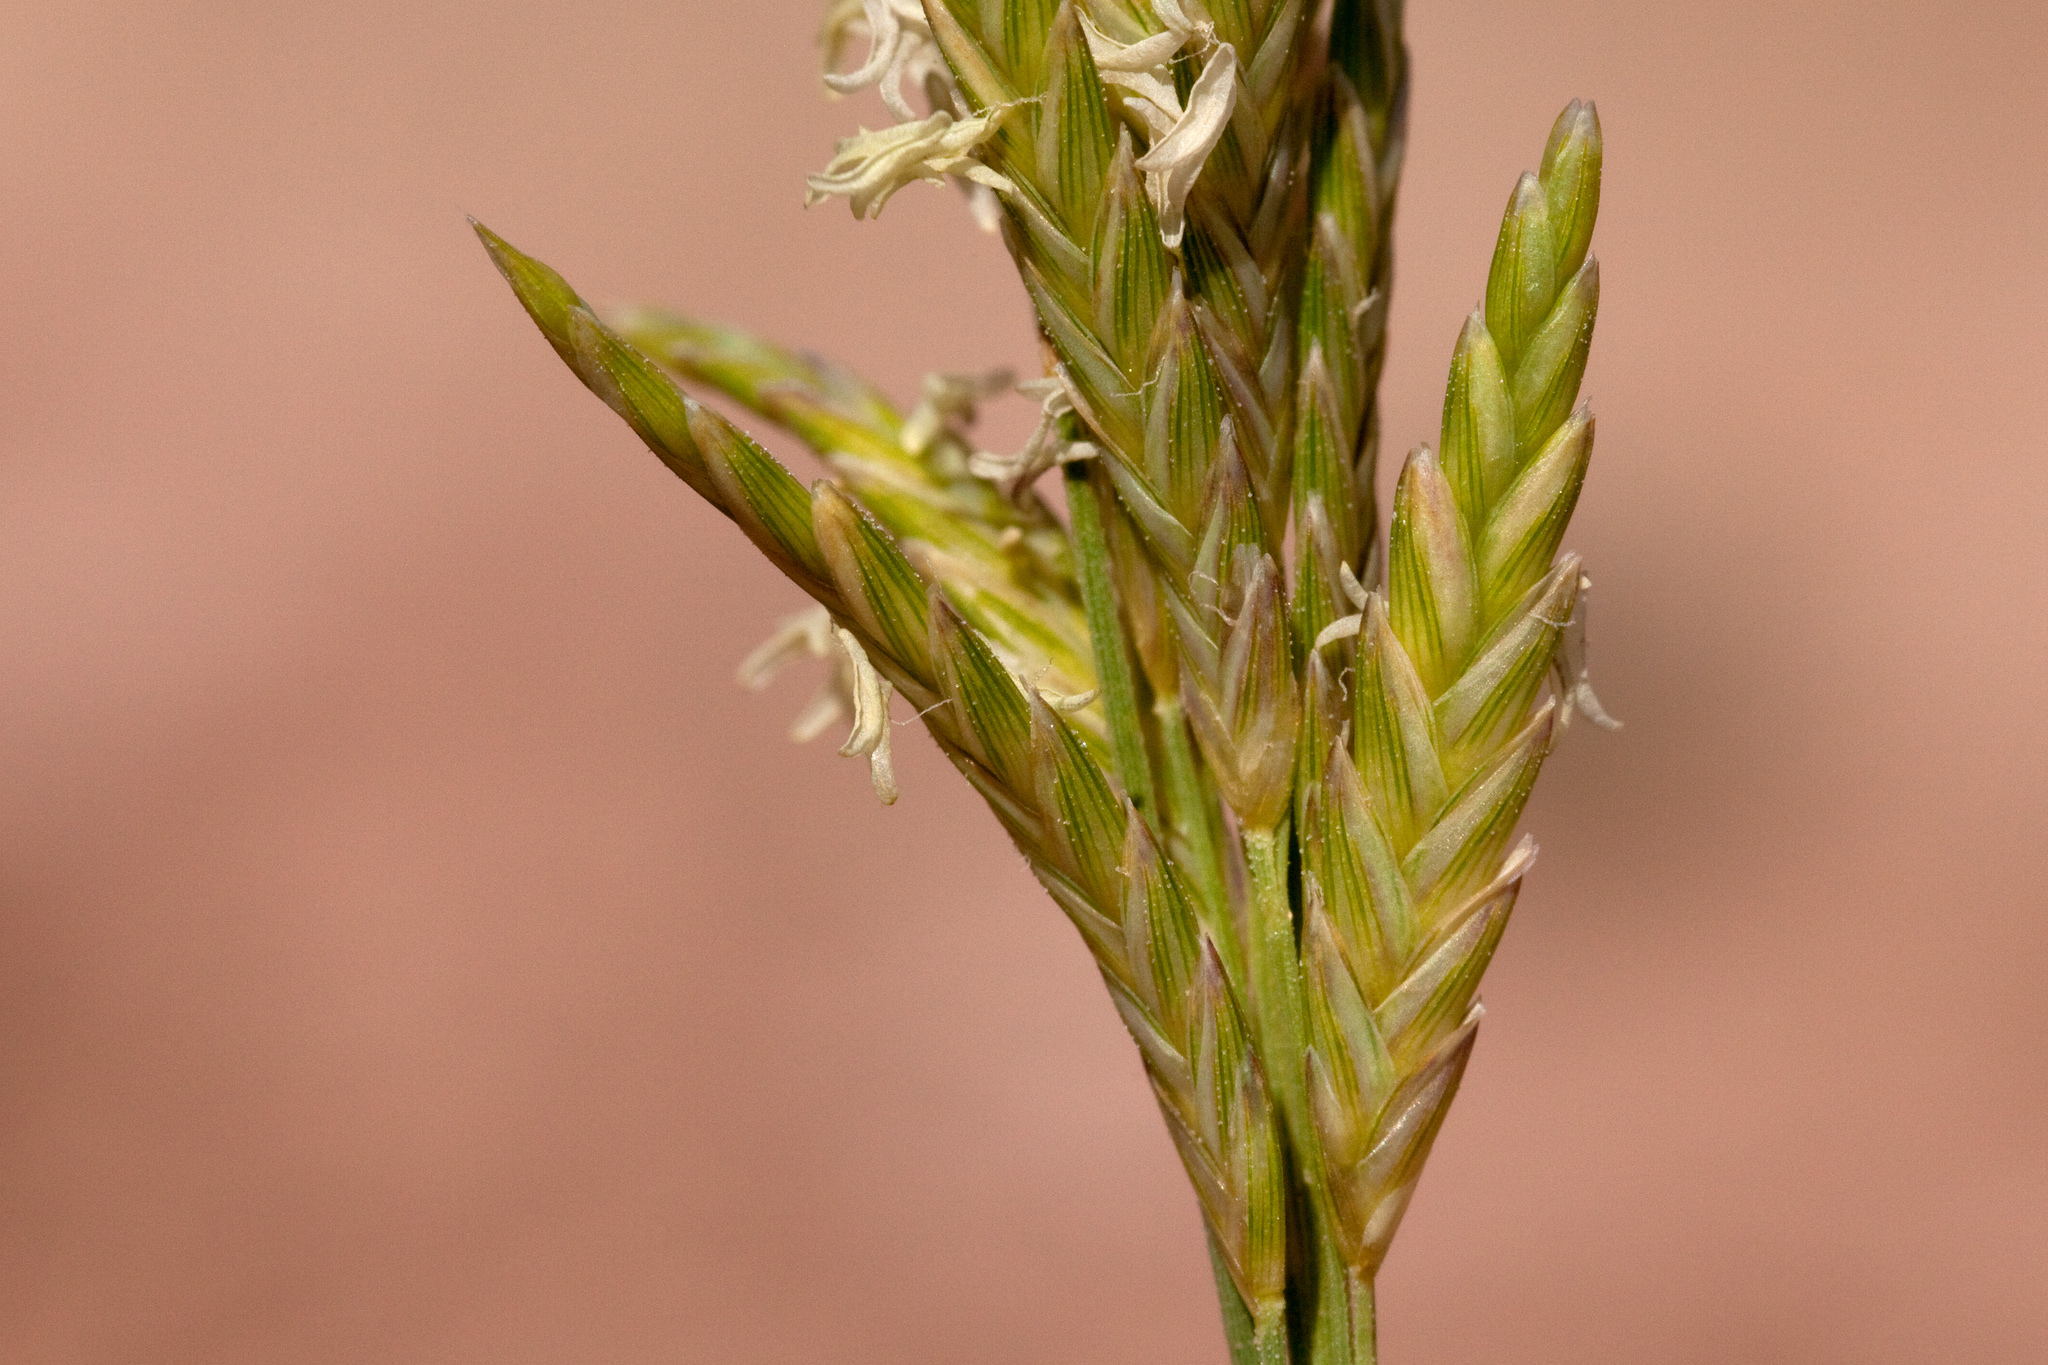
[1365,1322]
[1269,1337]
[1106,631]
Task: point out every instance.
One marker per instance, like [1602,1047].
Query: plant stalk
[1365,1347]
[1269,1338]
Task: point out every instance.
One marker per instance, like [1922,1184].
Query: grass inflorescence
[1268,759]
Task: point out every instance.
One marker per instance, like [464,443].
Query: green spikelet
[1408,839]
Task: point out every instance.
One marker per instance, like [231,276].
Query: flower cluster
[1267,754]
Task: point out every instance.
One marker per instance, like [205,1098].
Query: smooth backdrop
[415,949]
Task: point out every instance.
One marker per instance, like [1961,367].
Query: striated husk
[1269,765]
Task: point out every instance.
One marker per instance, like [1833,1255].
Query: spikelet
[1405,834]
[1268,764]
[1006,562]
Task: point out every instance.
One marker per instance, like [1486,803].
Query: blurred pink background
[414,948]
